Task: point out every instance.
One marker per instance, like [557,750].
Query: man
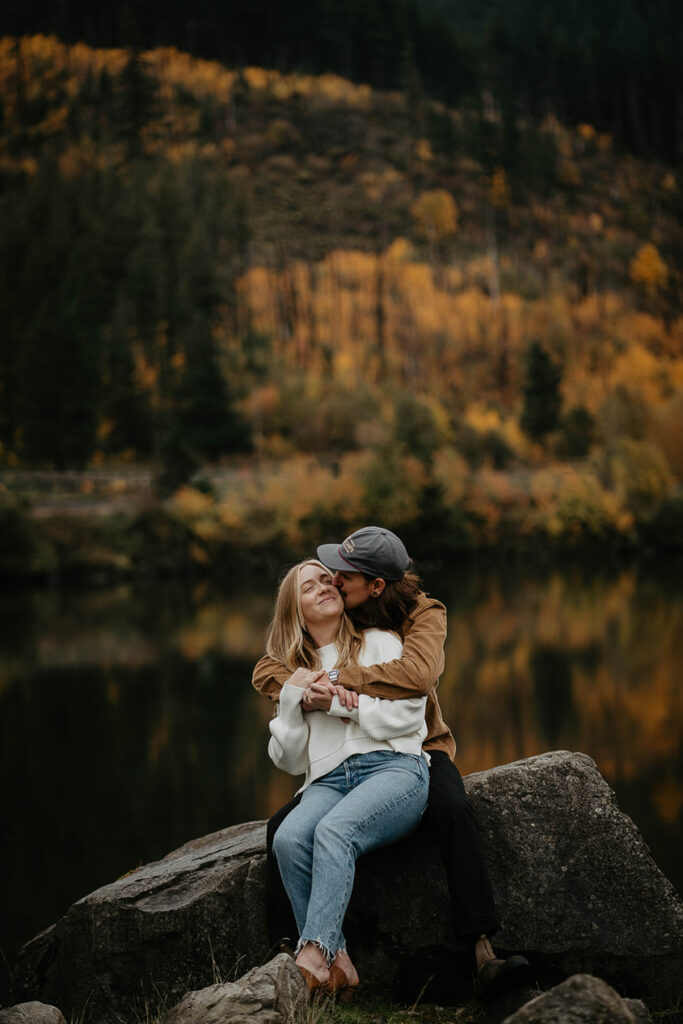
[371,569]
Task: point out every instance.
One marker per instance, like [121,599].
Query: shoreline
[113,526]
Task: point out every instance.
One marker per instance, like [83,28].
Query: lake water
[128,724]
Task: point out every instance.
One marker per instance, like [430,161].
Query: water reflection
[128,725]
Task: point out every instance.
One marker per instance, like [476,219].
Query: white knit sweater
[318,741]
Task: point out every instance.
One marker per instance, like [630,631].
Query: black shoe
[496,976]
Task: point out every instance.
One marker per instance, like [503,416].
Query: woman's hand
[318,697]
[347,698]
[304,677]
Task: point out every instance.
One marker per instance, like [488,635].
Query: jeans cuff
[325,950]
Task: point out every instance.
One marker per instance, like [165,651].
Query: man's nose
[337,580]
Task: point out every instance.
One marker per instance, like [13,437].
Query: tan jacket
[415,674]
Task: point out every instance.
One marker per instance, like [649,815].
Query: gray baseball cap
[372,550]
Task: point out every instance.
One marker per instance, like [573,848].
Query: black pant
[450,820]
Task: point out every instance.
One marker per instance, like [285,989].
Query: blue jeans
[368,801]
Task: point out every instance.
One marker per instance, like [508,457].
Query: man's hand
[304,677]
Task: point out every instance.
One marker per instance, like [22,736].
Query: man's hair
[290,643]
[394,606]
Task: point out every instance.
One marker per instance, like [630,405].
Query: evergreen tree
[125,407]
[59,387]
[542,399]
[207,416]
[14,309]
[136,102]
[577,433]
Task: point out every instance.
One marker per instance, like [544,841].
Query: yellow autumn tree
[648,269]
[499,193]
[436,214]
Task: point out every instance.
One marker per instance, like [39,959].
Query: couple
[353,657]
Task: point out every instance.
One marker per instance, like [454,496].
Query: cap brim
[329,556]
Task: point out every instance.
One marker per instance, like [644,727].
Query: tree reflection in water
[128,724]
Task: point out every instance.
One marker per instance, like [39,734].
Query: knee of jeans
[327,834]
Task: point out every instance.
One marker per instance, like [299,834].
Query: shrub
[487,447]
[624,414]
[324,422]
[421,425]
[441,529]
[451,473]
[572,508]
[17,540]
[638,472]
[160,541]
[271,506]
[577,433]
[665,528]
[497,507]
[393,486]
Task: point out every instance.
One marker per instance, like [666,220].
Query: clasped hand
[319,690]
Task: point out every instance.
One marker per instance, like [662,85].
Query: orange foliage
[570,505]
[649,269]
[436,214]
[442,334]
[499,193]
[666,431]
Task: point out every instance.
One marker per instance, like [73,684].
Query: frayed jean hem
[319,944]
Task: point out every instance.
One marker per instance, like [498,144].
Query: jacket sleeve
[288,746]
[416,672]
[384,719]
[269,677]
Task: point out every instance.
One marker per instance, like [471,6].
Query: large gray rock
[639,1011]
[580,999]
[155,934]
[575,884]
[31,1013]
[272,994]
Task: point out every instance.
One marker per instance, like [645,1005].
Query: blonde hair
[290,643]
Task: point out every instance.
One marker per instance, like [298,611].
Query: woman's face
[320,600]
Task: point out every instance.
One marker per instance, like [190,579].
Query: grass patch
[367,1010]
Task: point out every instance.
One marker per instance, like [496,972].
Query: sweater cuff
[290,696]
[337,710]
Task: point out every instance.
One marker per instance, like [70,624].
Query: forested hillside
[615,64]
[454,305]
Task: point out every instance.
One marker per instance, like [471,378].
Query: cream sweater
[318,741]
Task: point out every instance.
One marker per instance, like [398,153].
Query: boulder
[31,1013]
[167,928]
[639,1011]
[272,994]
[576,883]
[581,999]
[576,888]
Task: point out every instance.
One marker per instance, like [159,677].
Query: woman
[372,570]
[366,776]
